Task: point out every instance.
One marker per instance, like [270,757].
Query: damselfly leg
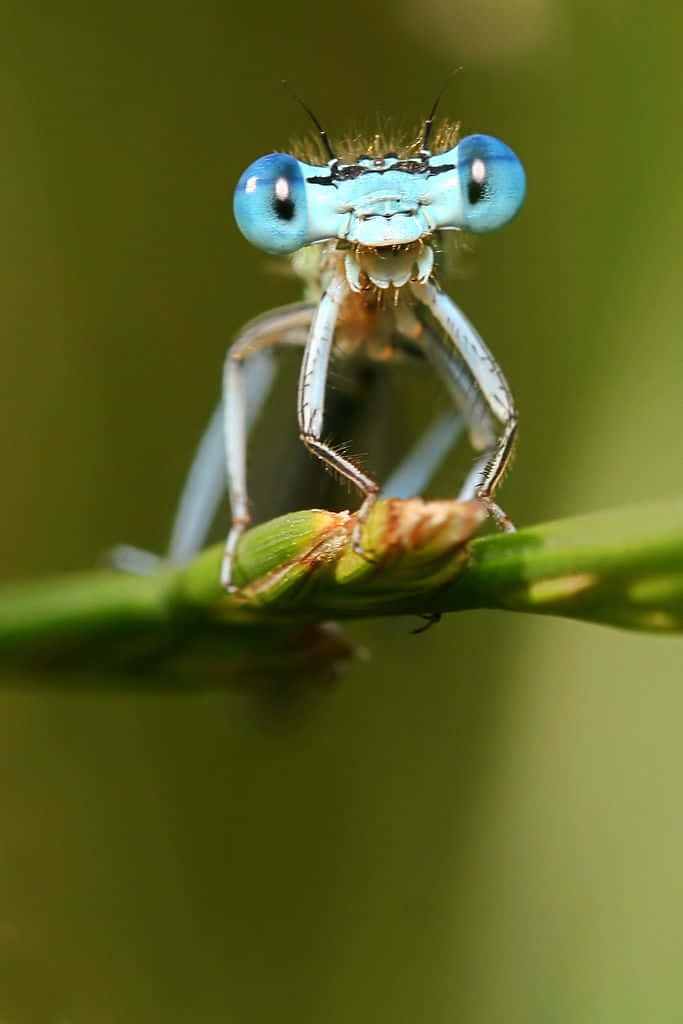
[480,391]
[288,325]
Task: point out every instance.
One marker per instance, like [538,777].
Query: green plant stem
[622,567]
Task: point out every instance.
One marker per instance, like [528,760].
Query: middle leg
[287,325]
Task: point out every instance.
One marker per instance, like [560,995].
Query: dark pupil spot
[284,206]
[476,190]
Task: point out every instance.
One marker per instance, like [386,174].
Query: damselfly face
[379,203]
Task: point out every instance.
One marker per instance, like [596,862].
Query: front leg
[482,393]
[311,401]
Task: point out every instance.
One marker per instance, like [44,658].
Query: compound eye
[492,180]
[270,204]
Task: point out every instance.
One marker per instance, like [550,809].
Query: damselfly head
[383,205]
[282,203]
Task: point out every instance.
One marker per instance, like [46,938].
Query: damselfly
[362,232]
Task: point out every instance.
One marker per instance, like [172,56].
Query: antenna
[429,122]
[334,159]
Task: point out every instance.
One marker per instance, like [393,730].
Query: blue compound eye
[270,204]
[492,181]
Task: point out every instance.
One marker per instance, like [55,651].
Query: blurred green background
[481,824]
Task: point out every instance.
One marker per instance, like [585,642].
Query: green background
[482,824]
